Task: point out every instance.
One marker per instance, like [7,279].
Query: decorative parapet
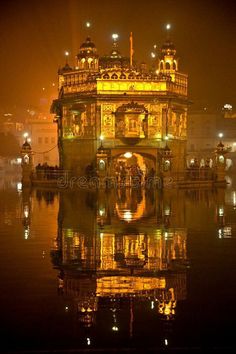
[133,83]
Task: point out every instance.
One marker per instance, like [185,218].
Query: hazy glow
[67,53]
[88,24]
[153,55]
[220,135]
[101,137]
[25,135]
[168,26]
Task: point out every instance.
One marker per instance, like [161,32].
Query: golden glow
[128,284]
[88,24]
[168,26]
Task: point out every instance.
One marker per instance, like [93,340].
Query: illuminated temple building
[108,106]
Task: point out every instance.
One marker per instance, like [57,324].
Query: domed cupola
[87,56]
[115,59]
[65,69]
[168,64]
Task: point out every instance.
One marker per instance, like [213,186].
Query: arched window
[167,66]
[114,76]
[26,159]
[102,165]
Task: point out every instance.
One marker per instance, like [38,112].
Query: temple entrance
[133,169]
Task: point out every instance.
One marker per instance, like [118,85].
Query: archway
[132,168]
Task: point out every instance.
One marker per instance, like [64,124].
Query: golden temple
[114,115]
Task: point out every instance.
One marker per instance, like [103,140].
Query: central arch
[132,166]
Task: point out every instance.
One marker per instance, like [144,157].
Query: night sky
[35,34]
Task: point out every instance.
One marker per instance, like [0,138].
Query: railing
[194,174]
[50,174]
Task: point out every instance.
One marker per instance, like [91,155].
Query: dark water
[125,269]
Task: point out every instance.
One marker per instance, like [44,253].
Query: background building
[43,135]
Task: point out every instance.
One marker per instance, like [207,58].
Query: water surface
[118,269]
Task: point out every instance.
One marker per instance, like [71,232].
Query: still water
[118,269]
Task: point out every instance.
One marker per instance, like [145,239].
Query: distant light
[101,212]
[43,88]
[220,135]
[152,305]
[155,46]
[153,55]
[66,308]
[234,144]
[168,26]
[166,235]
[19,187]
[115,328]
[234,198]
[67,53]
[25,135]
[88,341]
[228,107]
[18,160]
[157,72]
[115,36]
[166,341]
[101,137]
[29,140]
[221,211]
[88,24]
[53,84]
[26,233]
[128,155]
[166,137]
[101,234]
[220,233]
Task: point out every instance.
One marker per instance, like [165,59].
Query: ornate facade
[130,108]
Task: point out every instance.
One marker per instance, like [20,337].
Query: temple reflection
[121,248]
[121,252]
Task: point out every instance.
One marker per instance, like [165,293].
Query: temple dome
[87,48]
[168,48]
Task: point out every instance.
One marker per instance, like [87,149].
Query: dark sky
[35,34]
